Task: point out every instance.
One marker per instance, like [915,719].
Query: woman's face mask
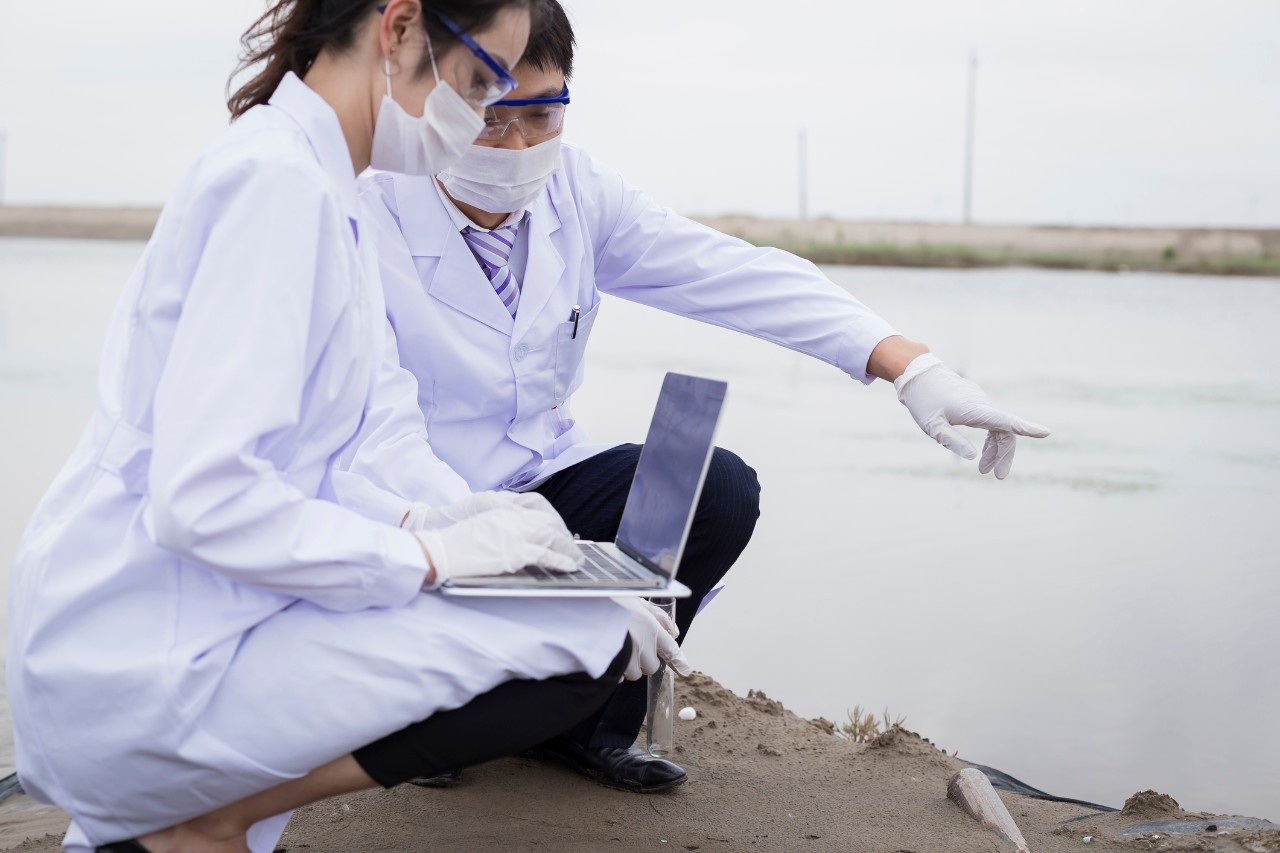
[502,180]
[426,145]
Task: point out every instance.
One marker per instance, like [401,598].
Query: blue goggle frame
[562,98]
[505,83]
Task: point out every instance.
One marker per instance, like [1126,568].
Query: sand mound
[1154,821]
[1150,805]
[760,778]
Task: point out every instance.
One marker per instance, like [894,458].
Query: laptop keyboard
[597,567]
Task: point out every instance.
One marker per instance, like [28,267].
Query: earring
[390,65]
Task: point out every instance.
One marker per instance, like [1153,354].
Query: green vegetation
[965,257]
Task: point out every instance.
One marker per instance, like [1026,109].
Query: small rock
[758,700]
[1088,839]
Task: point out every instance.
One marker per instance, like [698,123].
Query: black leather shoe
[447,779]
[624,768]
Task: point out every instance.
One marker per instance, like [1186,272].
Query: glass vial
[660,722]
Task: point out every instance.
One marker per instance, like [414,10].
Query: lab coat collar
[320,125]
[544,266]
[461,220]
[430,231]
[427,214]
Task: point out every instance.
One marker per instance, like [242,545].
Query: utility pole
[804,174]
[968,138]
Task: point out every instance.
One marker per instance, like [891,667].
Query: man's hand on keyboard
[499,542]
[653,640]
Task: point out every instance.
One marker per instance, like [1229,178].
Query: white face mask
[427,145]
[502,180]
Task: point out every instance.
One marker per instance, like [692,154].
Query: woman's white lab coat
[192,619]
[493,390]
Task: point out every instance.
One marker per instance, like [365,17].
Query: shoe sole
[633,789]
[554,758]
[436,781]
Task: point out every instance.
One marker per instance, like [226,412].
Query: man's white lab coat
[494,391]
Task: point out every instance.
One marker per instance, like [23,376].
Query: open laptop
[657,517]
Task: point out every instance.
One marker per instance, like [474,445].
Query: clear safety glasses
[488,85]
[533,117]
[483,92]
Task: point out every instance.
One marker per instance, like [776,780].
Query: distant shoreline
[78,223]
[1202,251]
[1205,251]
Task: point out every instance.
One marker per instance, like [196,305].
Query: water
[1099,623]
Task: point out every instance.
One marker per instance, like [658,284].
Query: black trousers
[509,719]
[590,497]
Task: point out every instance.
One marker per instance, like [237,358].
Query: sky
[1088,112]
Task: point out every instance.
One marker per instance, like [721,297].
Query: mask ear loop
[387,62]
[432,54]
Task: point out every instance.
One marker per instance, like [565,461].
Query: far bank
[1211,251]
[1201,251]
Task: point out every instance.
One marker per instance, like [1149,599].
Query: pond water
[1099,623]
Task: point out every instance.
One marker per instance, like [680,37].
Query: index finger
[989,417]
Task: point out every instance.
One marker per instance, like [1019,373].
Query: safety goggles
[483,89]
[534,117]
[483,92]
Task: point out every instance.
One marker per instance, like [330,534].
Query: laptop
[659,511]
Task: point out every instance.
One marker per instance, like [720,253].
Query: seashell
[972,791]
[688,713]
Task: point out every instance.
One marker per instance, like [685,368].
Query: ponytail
[292,33]
[288,37]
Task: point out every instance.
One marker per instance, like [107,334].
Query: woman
[201,639]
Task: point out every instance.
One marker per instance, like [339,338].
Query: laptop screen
[669,475]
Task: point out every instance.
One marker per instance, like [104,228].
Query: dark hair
[291,33]
[552,41]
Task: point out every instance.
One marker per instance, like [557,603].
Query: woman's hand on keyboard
[423,517]
[499,542]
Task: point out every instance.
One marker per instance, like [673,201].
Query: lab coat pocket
[570,348]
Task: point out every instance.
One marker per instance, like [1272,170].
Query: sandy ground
[760,779]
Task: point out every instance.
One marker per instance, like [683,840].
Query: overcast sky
[1088,111]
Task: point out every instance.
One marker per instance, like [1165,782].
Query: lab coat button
[520,352]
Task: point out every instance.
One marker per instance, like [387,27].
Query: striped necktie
[493,250]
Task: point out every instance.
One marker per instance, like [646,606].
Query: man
[493,276]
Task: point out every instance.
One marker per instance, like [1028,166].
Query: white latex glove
[653,640]
[500,541]
[424,517]
[940,399]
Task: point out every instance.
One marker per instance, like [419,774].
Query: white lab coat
[192,619]
[495,391]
